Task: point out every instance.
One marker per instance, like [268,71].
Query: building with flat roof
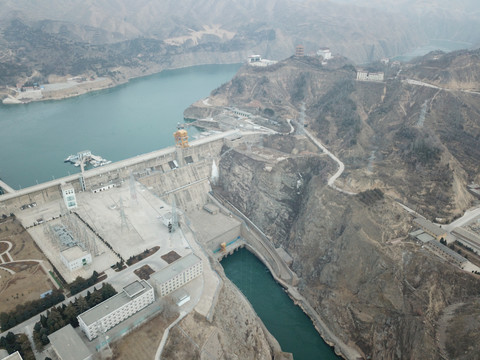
[15,356]
[75,257]
[325,53]
[363,75]
[177,274]
[68,345]
[447,253]
[430,228]
[68,194]
[467,238]
[114,310]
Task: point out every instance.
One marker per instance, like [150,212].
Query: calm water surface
[286,321]
[433,45]
[116,124]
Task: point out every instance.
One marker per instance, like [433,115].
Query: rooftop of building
[114,303]
[430,227]
[446,250]
[135,288]
[15,356]
[466,234]
[424,237]
[74,253]
[175,268]
[66,186]
[68,344]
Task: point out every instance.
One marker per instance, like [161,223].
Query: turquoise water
[286,321]
[116,123]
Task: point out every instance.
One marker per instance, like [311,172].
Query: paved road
[468,216]
[341,166]
[117,279]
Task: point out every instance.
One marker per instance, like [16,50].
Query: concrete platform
[212,230]
[143,227]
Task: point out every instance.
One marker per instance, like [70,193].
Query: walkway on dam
[6,187]
[110,167]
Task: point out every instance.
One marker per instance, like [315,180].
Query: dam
[124,204]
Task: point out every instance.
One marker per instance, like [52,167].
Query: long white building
[114,310]
[177,274]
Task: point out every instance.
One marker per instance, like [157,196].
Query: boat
[71,158]
[87,156]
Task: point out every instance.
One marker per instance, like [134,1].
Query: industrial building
[74,254]
[68,345]
[177,274]
[436,231]
[68,194]
[467,239]
[363,75]
[438,248]
[107,314]
[75,257]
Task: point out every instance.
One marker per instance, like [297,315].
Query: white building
[363,75]
[177,274]
[68,193]
[68,345]
[75,257]
[256,60]
[325,53]
[15,356]
[114,310]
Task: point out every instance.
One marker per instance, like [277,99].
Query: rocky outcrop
[232,334]
[375,289]
[417,143]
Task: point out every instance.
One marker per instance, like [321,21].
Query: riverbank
[340,348]
[72,88]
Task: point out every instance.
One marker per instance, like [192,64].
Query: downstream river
[117,123]
[286,321]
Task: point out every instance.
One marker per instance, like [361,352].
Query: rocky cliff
[377,291]
[234,334]
[403,139]
[415,140]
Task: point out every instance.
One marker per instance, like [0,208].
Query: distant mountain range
[75,37]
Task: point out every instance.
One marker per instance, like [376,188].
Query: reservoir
[286,321]
[117,123]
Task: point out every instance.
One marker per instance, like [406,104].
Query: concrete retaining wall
[201,151]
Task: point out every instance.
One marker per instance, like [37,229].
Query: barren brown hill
[379,291]
[417,143]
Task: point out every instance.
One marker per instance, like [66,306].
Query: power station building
[75,257]
[177,274]
[68,193]
[74,254]
[111,312]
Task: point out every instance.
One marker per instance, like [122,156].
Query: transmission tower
[123,217]
[174,215]
[133,190]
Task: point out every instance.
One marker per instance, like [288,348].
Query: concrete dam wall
[168,171]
